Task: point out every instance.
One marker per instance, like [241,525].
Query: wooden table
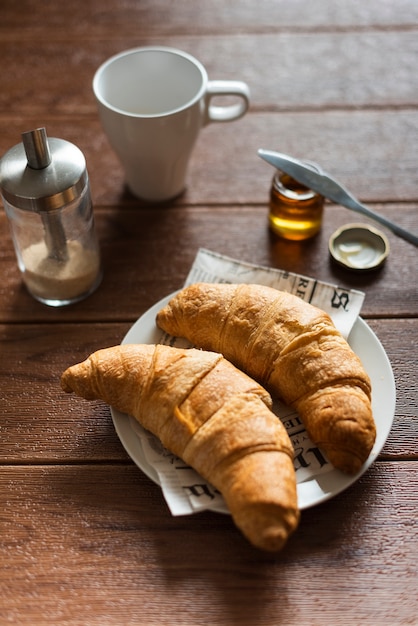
[85,537]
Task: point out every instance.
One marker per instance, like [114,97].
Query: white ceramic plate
[322,487]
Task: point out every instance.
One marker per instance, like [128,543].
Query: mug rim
[132,51]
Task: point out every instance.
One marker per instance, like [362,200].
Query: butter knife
[328,187]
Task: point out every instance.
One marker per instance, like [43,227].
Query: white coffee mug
[152,103]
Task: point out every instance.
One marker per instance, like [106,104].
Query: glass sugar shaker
[295,211]
[46,195]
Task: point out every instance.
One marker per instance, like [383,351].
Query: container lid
[41,174]
[359,247]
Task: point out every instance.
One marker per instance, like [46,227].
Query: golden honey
[295,211]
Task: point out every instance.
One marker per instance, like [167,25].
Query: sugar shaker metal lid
[359,247]
[42,174]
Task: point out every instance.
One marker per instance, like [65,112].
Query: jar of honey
[295,211]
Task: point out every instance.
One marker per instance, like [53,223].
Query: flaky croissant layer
[214,417]
[291,347]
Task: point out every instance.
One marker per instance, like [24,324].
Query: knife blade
[326,186]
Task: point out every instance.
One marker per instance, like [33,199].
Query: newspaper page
[184,490]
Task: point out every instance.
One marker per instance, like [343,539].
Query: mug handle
[229,112]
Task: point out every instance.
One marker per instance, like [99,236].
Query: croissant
[290,347]
[214,417]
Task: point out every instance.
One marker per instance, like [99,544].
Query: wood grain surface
[86,538]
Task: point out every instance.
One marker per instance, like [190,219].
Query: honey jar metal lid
[359,247]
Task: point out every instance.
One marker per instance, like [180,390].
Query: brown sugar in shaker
[46,195]
[295,211]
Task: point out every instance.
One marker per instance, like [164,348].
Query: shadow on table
[123,528]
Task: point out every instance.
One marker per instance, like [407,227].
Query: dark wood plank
[89,20]
[373,153]
[97,544]
[147,254]
[285,71]
[40,423]
[402,441]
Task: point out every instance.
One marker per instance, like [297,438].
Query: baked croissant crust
[290,347]
[214,417]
